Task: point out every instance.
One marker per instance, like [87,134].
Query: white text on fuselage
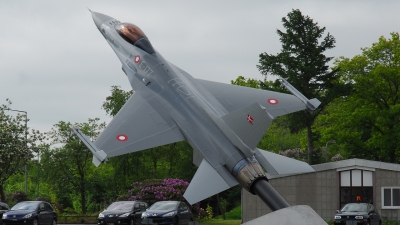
[179,85]
[145,68]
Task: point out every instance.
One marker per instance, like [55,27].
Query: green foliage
[116,100]
[206,214]
[234,214]
[304,65]
[278,138]
[209,211]
[390,223]
[17,143]
[253,83]
[71,164]
[367,121]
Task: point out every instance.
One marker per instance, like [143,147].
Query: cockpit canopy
[132,34]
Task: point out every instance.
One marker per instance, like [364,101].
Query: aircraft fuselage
[169,90]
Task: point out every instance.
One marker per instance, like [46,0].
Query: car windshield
[121,206]
[355,208]
[164,206]
[25,206]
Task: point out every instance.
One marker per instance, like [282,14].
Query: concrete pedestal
[299,215]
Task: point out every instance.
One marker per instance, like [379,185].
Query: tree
[304,65]
[116,100]
[17,144]
[367,121]
[71,163]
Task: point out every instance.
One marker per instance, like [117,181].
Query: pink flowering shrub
[295,153]
[154,190]
[337,157]
[206,214]
[19,196]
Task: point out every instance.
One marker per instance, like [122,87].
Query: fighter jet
[222,122]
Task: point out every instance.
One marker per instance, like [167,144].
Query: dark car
[31,213]
[167,212]
[122,212]
[357,213]
[3,208]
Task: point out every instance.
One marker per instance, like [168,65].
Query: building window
[355,186]
[390,197]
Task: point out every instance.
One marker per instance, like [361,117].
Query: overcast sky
[56,65]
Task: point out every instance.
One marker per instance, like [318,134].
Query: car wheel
[132,222]
[368,223]
[176,221]
[35,222]
[54,222]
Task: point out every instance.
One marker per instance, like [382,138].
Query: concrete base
[299,215]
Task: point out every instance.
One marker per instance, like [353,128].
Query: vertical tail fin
[249,123]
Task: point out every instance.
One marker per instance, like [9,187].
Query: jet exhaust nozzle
[247,172]
[251,176]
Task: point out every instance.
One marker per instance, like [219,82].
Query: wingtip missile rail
[99,156]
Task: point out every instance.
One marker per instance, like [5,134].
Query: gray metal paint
[169,105]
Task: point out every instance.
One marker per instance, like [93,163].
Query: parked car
[122,212]
[31,213]
[3,208]
[358,213]
[167,212]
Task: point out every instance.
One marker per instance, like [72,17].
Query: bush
[234,214]
[204,215]
[19,196]
[153,190]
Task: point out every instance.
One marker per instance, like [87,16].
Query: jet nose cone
[100,18]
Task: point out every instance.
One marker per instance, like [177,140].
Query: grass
[220,222]
[234,214]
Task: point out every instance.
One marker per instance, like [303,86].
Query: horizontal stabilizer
[99,156]
[205,183]
[281,164]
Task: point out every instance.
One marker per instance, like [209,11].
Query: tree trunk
[2,196]
[154,168]
[310,145]
[83,197]
[220,208]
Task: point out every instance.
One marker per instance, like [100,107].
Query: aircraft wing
[137,126]
[234,97]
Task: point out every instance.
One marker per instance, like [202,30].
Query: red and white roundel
[272,101]
[136,59]
[122,137]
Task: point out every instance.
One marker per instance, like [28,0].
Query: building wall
[386,178]
[319,190]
